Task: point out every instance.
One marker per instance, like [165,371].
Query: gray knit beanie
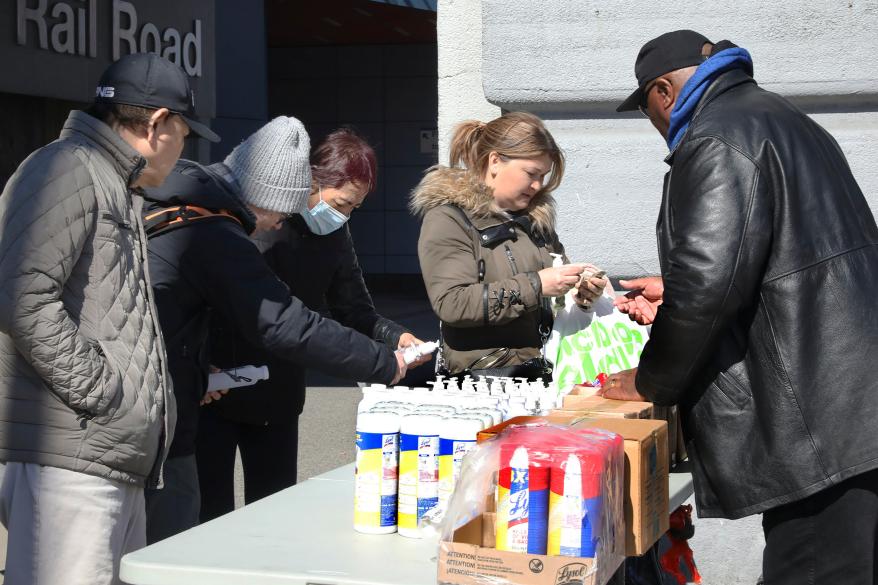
[272,166]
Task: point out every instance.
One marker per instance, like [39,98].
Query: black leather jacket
[323,272]
[768,335]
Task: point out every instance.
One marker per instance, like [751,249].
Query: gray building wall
[572,62]
[386,92]
[461,97]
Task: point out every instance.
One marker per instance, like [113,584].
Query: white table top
[343,473]
[303,535]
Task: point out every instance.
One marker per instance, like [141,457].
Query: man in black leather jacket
[765,332]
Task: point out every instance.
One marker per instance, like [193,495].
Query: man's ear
[158,118]
[666,92]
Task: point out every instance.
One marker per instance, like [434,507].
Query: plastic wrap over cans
[537,504]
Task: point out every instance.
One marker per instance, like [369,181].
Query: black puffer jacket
[324,273]
[211,266]
[768,335]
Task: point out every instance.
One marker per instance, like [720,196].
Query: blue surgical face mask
[323,218]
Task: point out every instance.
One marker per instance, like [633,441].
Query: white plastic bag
[586,343]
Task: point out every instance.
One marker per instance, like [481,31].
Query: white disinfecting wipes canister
[377,472]
[458,437]
[418,469]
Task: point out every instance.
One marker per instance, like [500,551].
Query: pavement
[726,552]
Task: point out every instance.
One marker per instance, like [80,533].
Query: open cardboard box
[466,562]
[645,495]
[603,407]
[556,417]
[646,478]
[471,559]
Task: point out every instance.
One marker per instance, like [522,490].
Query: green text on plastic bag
[598,348]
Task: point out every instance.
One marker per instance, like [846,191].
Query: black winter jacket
[768,335]
[324,273]
[211,266]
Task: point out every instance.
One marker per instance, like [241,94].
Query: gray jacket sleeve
[47,214]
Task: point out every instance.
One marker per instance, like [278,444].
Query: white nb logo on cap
[105,91]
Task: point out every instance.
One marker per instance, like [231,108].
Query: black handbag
[533,369]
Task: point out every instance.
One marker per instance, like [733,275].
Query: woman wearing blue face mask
[313,253]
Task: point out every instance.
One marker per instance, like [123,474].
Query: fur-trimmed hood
[443,185]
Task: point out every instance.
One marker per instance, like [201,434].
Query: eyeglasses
[643,106]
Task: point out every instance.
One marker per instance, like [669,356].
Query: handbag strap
[480,262]
[544,328]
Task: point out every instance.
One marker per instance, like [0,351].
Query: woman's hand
[406,340]
[557,280]
[591,286]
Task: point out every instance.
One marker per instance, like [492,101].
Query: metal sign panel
[58,48]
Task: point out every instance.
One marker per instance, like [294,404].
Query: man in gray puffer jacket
[86,411]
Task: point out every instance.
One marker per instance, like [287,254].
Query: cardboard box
[556,417]
[603,407]
[470,559]
[581,390]
[498,428]
[646,478]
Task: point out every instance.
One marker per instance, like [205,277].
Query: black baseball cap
[150,81]
[669,52]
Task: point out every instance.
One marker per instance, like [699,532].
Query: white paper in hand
[236,377]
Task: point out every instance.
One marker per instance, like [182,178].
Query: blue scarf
[707,72]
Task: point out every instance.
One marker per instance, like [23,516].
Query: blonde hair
[512,135]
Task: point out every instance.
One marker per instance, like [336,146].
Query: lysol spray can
[576,504]
[512,499]
[375,491]
[566,509]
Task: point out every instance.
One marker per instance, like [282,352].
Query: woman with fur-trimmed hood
[486,242]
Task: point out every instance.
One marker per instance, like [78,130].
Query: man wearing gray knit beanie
[270,171]
[202,261]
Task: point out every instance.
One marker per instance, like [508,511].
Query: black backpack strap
[168,218]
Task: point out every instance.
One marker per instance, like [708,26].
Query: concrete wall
[572,61]
[459,33]
[388,94]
